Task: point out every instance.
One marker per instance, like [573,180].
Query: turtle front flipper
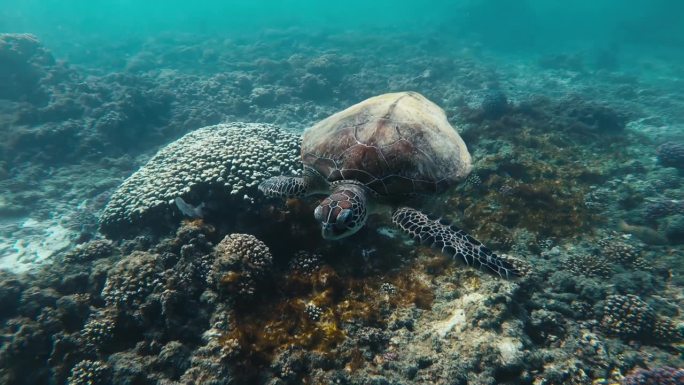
[284,187]
[454,242]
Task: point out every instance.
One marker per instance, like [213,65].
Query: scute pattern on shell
[232,158]
[396,143]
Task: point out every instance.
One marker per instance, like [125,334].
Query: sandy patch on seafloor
[27,243]
[457,320]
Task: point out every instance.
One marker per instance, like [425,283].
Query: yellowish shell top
[394,143]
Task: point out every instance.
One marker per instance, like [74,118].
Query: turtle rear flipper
[454,242]
[284,187]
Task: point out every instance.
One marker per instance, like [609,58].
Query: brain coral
[221,161]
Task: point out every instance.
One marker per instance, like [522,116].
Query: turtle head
[342,213]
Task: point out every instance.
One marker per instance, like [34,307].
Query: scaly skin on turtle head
[344,211]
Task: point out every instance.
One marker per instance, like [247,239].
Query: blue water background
[72,27]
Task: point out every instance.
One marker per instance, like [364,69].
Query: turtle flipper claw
[284,187]
[454,242]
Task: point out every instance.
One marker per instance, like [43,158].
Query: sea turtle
[381,150]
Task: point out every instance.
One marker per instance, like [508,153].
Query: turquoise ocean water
[521,25]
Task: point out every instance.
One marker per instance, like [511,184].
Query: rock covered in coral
[174,358]
[664,330]
[305,263]
[241,262]
[588,265]
[99,329]
[208,368]
[664,178]
[23,62]
[671,154]
[577,114]
[11,288]
[132,279]
[90,251]
[618,251]
[674,229]
[209,362]
[662,208]
[214,162]
[494,104]
[594,116]
[659,376]
[88,372]
[629,317]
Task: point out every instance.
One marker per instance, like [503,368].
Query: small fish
[189,210]
[643,233]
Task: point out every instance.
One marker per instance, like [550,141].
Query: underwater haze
[469,192]
[523,26]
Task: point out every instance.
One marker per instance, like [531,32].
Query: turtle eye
[318,213]
[343,217]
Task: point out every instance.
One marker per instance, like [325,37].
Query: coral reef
[98,331]
[671,154]
[89,372]
[659,209]
[305,263]
[527,170]
[25,65]
[90,251]
[11,288]
[132,279]
[658,376]
[674,229]
[223,161]
[494,104]
[594,116]
[561,156]
[241,261]
[588,265]
[628,316]
[620,252]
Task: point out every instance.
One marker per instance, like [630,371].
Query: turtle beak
[331,232]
